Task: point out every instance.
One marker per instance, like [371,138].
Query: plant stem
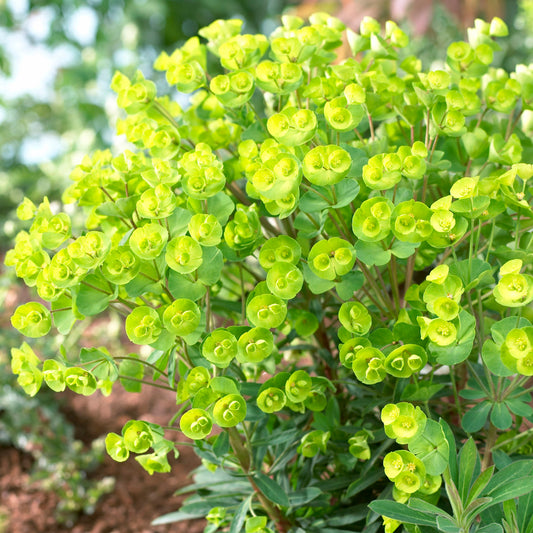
[489,443]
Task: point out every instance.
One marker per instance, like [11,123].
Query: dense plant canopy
[328,261]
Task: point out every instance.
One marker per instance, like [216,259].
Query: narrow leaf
[400,511]
[271,489]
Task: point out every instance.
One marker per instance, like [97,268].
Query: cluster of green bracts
[356,210]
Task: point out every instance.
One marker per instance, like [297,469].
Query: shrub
[328,261]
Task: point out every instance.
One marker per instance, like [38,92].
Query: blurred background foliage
[57,58]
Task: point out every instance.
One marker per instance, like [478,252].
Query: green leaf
[315,200]
[316,285]
[519,407]
[501,328]
[403,250]
[432,448]
[131,369]
[221,446]
[524,513]
[211,268]
[491,357]
[362,483]
[304,496]
[514,489]
[452,457]
[220,205]
[472,273]
[181,287]
[372,253]
[104,366]
[94,295]
[223,385]
[349,283]
[451,355]
[468,457]
[345,192]
[271,489]
[175,516]
[447,525]
[491,528]
[500,416]
[420,391]
[421,505]
[359,160]
[400,511]
[479,484]
[474,419]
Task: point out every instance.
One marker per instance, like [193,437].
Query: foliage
[328,262]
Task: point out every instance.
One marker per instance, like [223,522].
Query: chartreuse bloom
[25,364]
[513,289]
[331,258]
[342,116]
[383,171]
[440,331]
[517,351]
[349,349]
[183,254]
[206,229]
[137,436]
[293,126]
[32,319]
[354,316]
[298,386]
[54,374]
[197,378]
[314,443]
[271,400]
[284,280]
[116,447]
[368,365]
[80,381]
[279,249]
[90,250]
[120,266]
[405,470]
[143,325]
[196,424]
[278,78]
[182,317]
[266,310]
[220,347]
[147,242]
[229,410]
[405,360]
[233,89]
[157,202]
[410,221]
[242,233]
[358,445]
[403,421]
[326,165]
[203,175]
[255,345]
[371,221]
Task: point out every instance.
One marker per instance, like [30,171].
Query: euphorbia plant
[327,260]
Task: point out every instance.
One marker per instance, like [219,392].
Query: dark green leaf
[468,457]
[303,496]
[491,357]
[474,419]
[181,287]
[239,517]
[400,511]
[271,489]
[500,416]
[372,253]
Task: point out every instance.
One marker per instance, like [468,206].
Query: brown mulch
[137,499]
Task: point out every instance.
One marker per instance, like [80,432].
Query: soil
[137,498]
